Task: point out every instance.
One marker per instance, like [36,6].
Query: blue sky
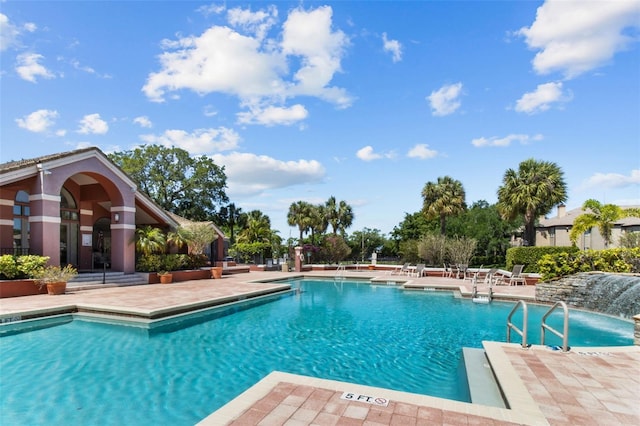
[365,101]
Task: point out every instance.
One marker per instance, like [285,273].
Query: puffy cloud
[422,152]
[272,115]
[93,124]
[505,141]
[143,121]
[38,121]
[28,67]
[445,100]
[613,180]
[10,33]
[392,46]
[200,141]
[257,23]
[250,174]
[367,154]
[254,69]
[542,98]
[576,36]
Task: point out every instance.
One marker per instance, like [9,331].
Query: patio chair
[490,278]
[420,269]
[404,269]
[516,277]
[447,272]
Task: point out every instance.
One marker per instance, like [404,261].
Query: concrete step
[91,280]
[483,387]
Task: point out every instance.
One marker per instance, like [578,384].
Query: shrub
[619,260]
[8,267]
[21,267]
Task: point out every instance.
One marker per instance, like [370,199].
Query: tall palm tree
[604,216]
[318,221]
[442,199]
[532,191]
[231,217]
[339,215]
[300,215]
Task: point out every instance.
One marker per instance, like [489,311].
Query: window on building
[21,213]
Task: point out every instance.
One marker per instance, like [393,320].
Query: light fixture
[116,217]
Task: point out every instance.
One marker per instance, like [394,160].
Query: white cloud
[445,100]
[367,154]
[613,180]
[38,121]
[506,141]
[392,46]
[211,9]
[143,121]
[257,23]
[542,98]
[250,174]
[93,124]
[256,70]
[272,115]
[8,33]
[200,141]
[28,67]
[422,152]
[574,37]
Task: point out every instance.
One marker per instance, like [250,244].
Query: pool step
[483,387]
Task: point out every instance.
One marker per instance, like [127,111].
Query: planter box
[16,288]
[192,274]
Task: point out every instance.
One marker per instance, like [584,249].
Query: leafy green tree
[187,186]
[604,216]
[230,217]
[335,248]
[339,215]
[196,236]
[317,221]
[630,240]
[433,249]
[364,243]
[532,191]
[300,215]
[442,199]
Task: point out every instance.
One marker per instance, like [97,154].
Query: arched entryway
[102,244]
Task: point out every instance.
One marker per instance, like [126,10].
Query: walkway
[584,386]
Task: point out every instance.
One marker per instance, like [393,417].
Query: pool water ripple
[177,374]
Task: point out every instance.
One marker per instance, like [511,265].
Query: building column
[123,248]
[44,222]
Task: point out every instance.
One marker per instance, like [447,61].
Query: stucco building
[78,208]
[555,231]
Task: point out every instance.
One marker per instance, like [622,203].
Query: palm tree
[150,240]
[442,199]
[299,215]
[339,216]
[232,216]
[532,191]
[603,216]
[318,221]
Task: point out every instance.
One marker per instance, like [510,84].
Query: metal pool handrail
[565,335]
[525,318]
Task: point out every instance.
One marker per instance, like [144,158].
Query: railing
[565,335]
[340,271]
[510,325]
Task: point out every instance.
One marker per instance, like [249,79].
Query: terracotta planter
[56,288]
[166,278]
[216,272]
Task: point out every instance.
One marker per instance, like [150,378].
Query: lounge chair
[490,278]
[420,269]
[403,270]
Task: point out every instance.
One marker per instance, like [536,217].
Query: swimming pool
[178,372]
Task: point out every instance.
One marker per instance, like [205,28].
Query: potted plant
[55,278]
[166,277]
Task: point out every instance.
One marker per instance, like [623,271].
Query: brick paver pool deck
[585,386]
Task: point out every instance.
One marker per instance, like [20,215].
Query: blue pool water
[88,372]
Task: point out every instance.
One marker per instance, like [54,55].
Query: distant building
[555,231]
[78,208]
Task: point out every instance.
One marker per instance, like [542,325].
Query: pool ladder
[340,272]
[543,326]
